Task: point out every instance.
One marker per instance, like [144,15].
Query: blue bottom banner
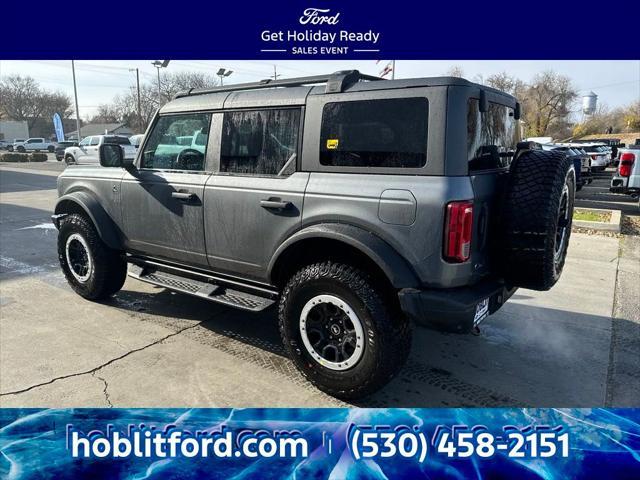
[319,443]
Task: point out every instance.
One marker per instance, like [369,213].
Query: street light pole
[223,73]
[75,94]
[160,64]
[275,72]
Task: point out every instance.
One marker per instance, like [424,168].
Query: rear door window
[492,136]
[388,133]
[260,142]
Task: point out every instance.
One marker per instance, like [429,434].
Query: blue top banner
[322,29]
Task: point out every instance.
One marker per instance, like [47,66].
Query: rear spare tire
[536,218]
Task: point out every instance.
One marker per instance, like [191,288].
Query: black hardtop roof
[295,90]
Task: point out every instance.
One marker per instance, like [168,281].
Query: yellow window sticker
[332,143]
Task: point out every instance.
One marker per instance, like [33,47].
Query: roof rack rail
[336,82]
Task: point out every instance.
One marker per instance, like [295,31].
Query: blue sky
[615,82]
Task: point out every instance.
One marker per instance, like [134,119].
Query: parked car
[16,141]
[627,177]
[62,146]
[136,140]
[581,162]
[358,205]
[34,144]
[87,150]
[600,158]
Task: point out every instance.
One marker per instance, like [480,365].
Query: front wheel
[93,270]
[68,159]
[339,332]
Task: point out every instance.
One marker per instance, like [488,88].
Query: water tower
[589,103]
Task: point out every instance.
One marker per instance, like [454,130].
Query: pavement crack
[104,390]
[99,367]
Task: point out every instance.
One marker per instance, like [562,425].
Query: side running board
[209,291]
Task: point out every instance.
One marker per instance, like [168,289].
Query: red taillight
[626,162]
[458,227]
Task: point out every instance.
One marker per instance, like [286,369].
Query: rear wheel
[537,218]
[339,332]
[93,270]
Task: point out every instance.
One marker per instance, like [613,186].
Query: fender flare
[394,266]
[107,229]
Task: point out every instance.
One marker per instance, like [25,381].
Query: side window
[492,136]
[85,142]
[178,142]
[389,133]
[95,140]
[260,142]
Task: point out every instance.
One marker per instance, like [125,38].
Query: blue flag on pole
[57,124]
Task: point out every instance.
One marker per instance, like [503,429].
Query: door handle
[184,196]
[275,204]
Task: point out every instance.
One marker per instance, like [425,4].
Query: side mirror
[112,155]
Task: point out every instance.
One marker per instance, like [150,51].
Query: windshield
[117,140]
[592,149]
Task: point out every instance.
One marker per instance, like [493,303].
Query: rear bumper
[453,309]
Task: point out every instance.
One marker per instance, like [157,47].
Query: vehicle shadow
[13,181]
[525,356]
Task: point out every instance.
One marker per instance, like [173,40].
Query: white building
[12,129]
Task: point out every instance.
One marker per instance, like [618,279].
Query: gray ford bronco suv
[359,206]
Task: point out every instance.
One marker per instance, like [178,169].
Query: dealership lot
[576,345]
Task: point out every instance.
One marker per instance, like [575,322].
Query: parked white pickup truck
[33,145]
[87,150]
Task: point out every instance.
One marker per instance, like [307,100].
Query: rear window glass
[492,136]
[389,133]
[117,140]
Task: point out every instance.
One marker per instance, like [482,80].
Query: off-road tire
[109,270]
[387,332]
[530,218]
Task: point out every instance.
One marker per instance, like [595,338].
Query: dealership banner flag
[57,124]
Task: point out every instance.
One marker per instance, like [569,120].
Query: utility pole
[138,87]
[75,94]
[275,72]
[393,69]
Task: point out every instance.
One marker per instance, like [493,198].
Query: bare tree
[455,71]
[124,107]
[547,102]
[21,98]
[172,83]
[506,83]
